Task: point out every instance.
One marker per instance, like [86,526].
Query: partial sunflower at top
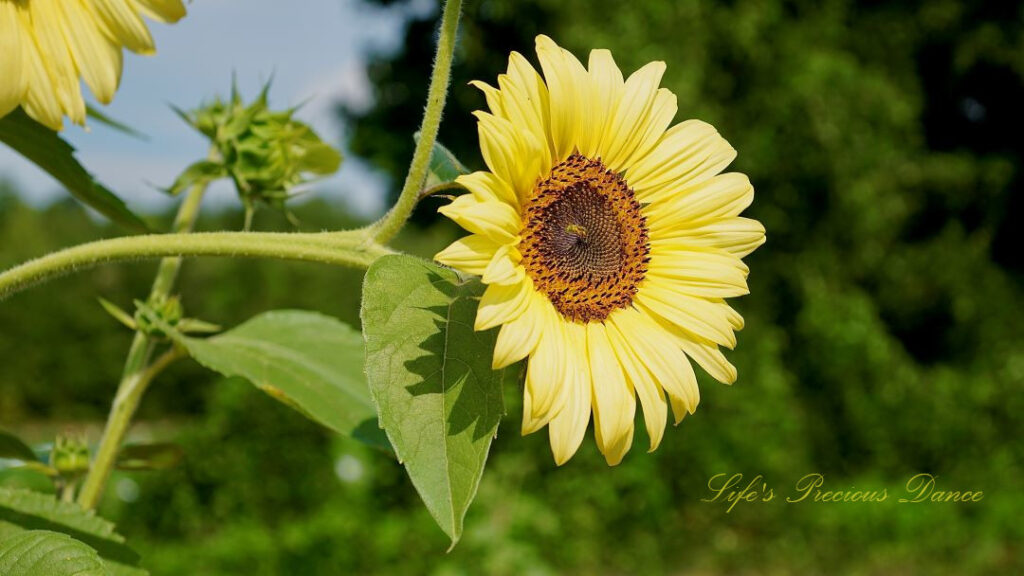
[608,241]
[46,46]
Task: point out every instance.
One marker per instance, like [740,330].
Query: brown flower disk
[584,240]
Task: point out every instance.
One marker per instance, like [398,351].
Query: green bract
[266,153]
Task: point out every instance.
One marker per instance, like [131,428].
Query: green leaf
[201,172]
[118,313]
[430,374]
[444,167]
[102,118]
[14,448]
[25,511]
[51,153]
[158,456]
[45,553]
[312,362]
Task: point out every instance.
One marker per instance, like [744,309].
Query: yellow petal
[675,209]
[470,254]
[546,376]
[525,104]
[504,267]
[12,62]
[166,11]
[607,82]
[704,353]
[662,356]
[518,338]
[737,236]
[502,303]
[96,56]
[495,220]
[493,97]
[687,154]
[652,399]
[628,125]
[121,22]
[708,273]
[695,315]
[41,96]
[487,187]
[567,429]
[614,401]
[568,95]
[512,154]
[48,25]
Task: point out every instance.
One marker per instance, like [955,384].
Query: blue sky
[316,51]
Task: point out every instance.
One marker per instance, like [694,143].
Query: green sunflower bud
[266,153]
[70,456]
[167,308]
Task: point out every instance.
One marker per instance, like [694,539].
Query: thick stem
[350,248]
[388,226]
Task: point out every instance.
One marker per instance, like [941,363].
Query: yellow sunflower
[47,45]
[608,242]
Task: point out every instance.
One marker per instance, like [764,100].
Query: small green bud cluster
[70,456]
[266,153]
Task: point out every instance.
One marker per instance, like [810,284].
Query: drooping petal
[166,11]
[96,56]
[41,96]
[13,69]
[652,398]
[121,22]
[705,353]
[614,401]
[48,24]
[525,104]
[566,430]
[546,375]
[662,356]
[470,254]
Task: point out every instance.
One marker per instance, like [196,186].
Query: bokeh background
[883,338]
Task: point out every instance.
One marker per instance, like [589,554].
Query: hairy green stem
[388,226]
[137,361]
[129,393]
[350,248]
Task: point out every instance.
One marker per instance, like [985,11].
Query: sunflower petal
[723,196]
[652,398]
[628,123]
[96,56]
[48,24]
[470,254]
[504,268]
[737,236]
[518,338]
[546,375]
[512,154]
[13,67]
[568,95]
[687,154]
[121,22]
[614,401]
[502,303]
[567,429]
[495,220]
[166,11]
[695,315]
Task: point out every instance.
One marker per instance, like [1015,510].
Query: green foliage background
[883,330]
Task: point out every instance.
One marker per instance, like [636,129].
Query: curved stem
[350,248]
[388,226]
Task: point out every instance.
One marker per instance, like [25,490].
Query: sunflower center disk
[584,240]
